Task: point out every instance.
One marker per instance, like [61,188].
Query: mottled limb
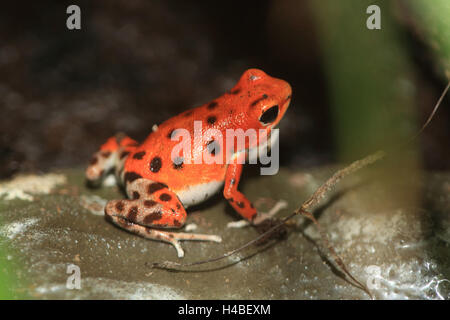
[160,235]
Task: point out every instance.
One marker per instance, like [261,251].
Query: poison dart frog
[160,187]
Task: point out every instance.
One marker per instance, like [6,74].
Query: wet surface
[400,252]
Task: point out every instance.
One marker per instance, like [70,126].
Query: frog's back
[153,158]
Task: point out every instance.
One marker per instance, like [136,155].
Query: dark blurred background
[137,63]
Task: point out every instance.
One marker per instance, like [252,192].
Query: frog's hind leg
[110,157]
[152,205]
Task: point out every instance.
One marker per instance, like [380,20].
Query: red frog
[160,187]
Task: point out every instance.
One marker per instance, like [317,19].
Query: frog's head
[268,98]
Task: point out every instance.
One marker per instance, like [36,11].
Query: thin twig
[337,259]
[331,182]
[430,117]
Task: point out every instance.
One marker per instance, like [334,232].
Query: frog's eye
[269,116]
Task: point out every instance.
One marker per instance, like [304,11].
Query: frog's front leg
[152,205]
[240,203]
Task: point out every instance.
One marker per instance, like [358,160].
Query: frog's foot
[260,217]
[166,236]
[239,201]
[174,237]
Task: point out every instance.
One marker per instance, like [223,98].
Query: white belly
[198,193]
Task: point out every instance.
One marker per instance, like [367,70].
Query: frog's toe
[262,216]
[238,224]
[178,247]
[174,238]
[196,237]
[215,238]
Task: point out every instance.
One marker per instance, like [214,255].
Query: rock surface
[400,252]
